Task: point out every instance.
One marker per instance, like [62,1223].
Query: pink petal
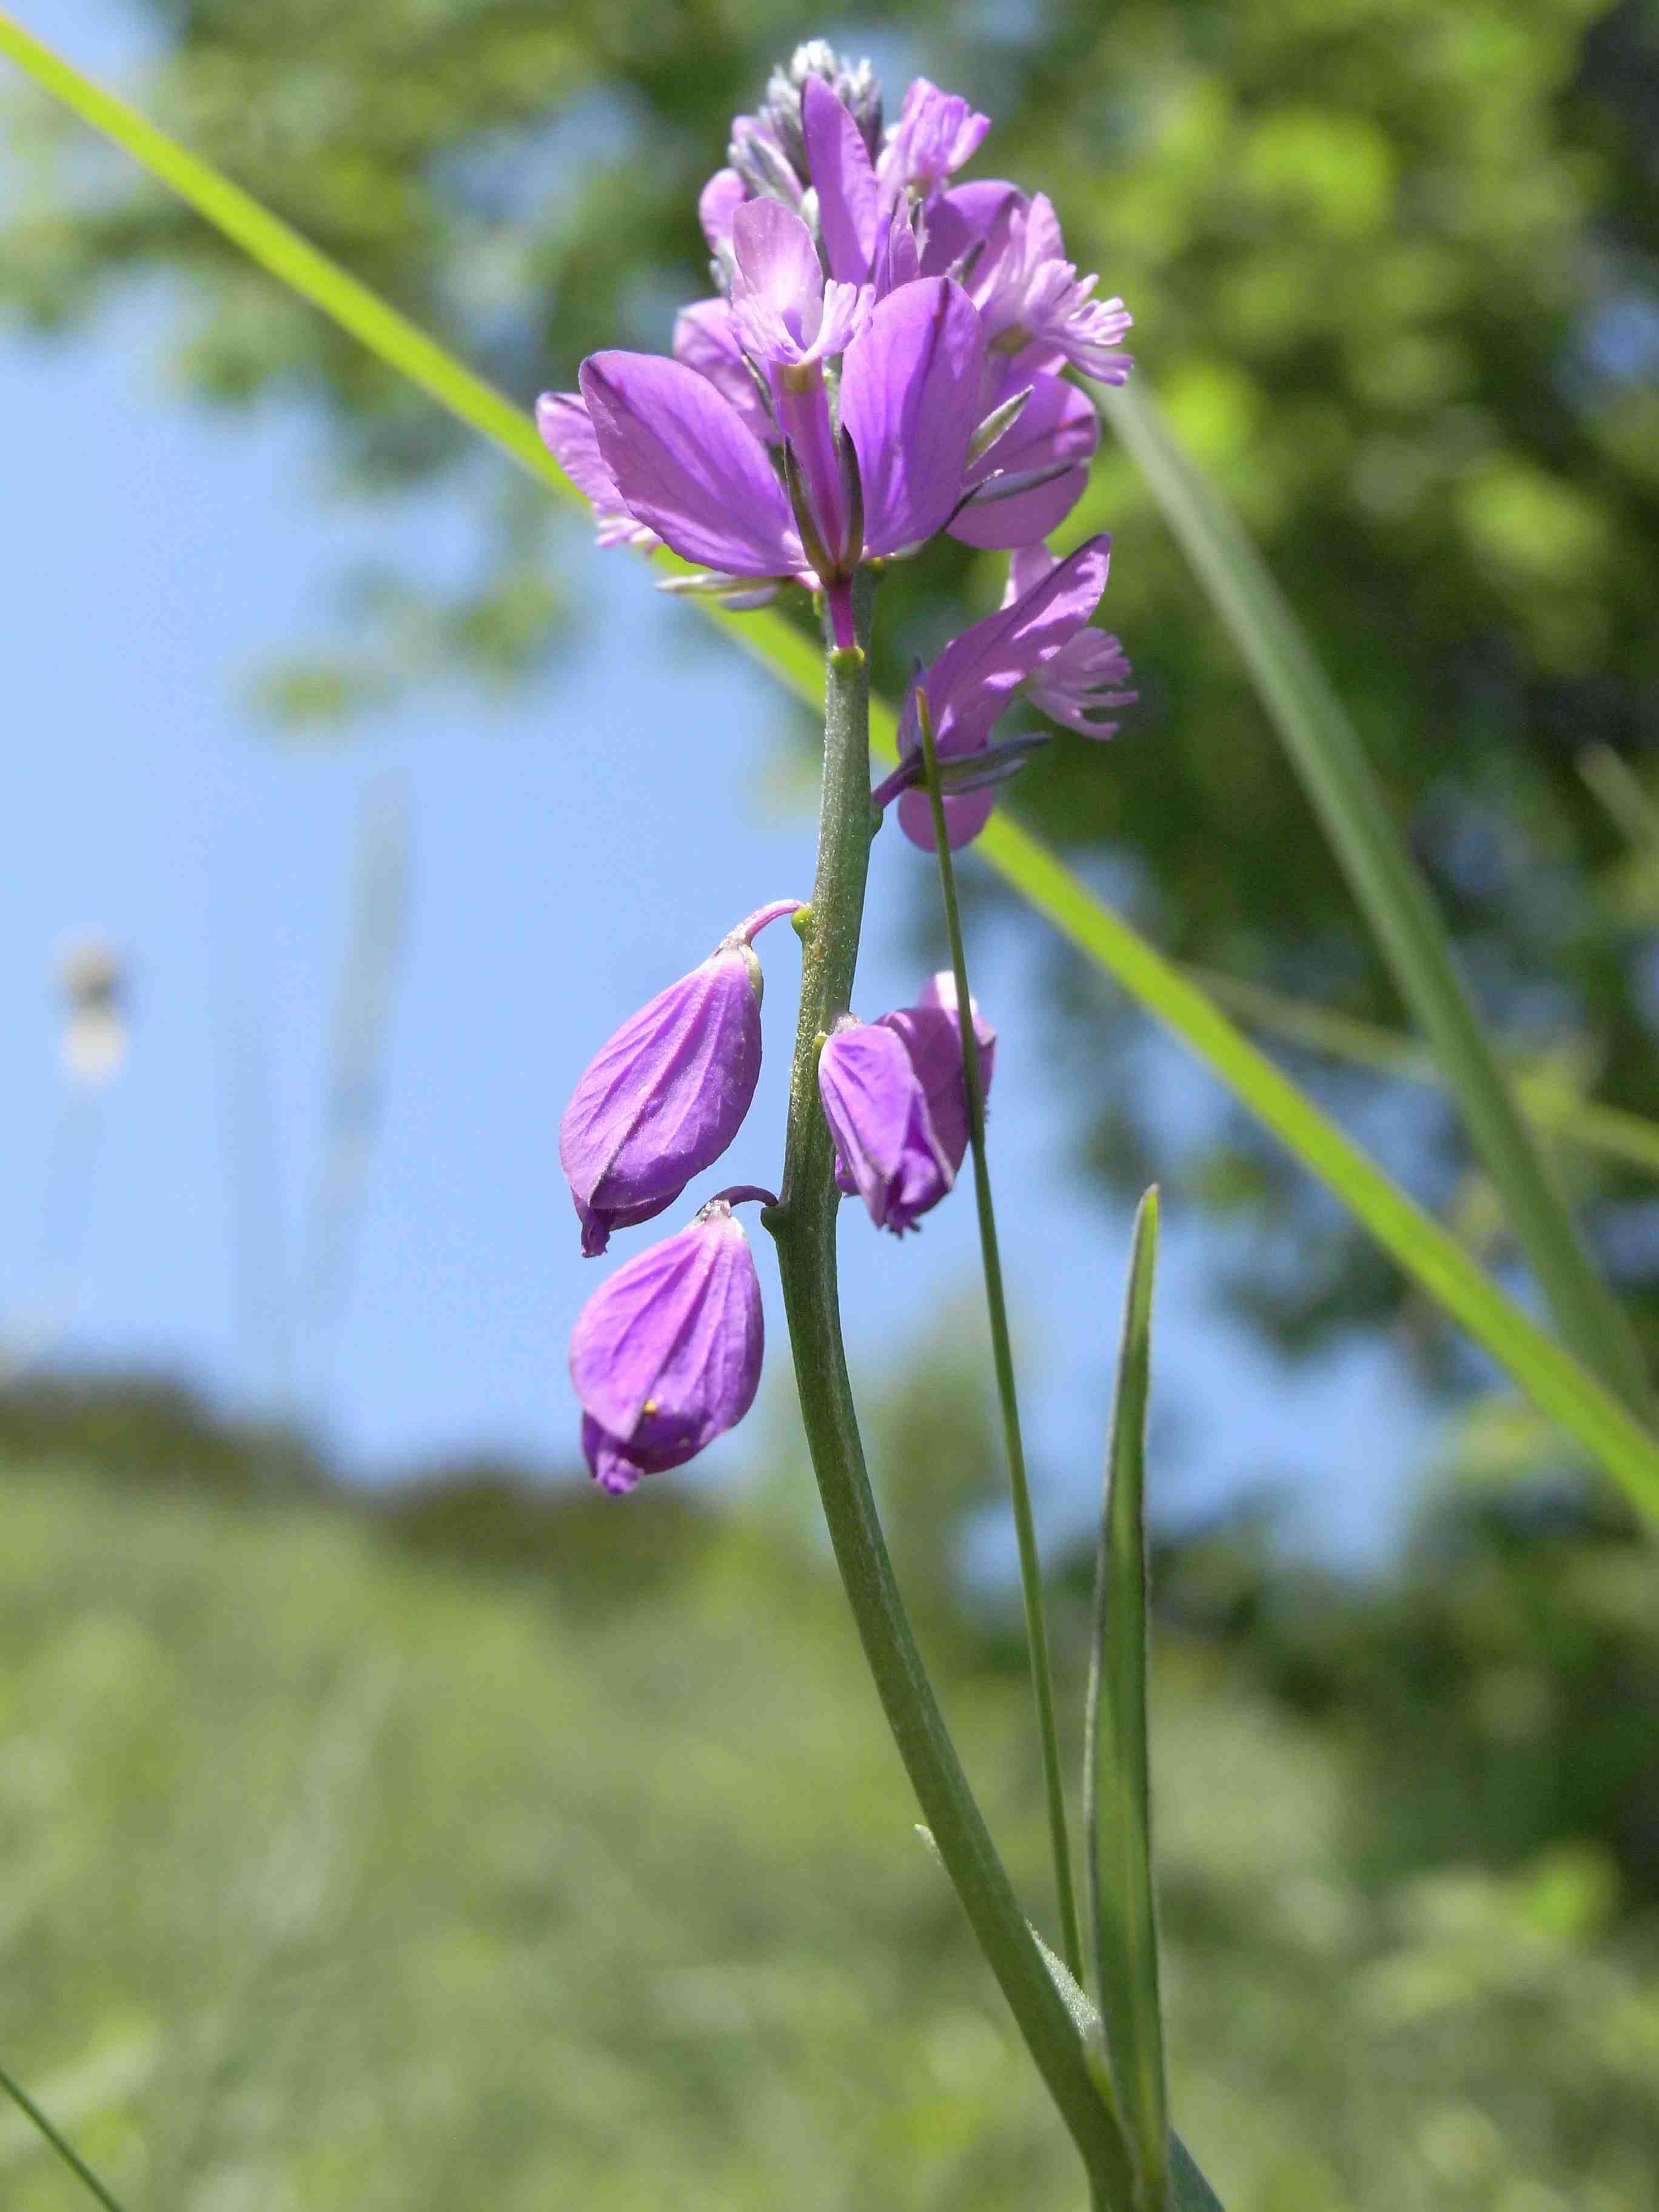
[964,817]
[960,218]
[1058,423]
[705,340]
[717,202]
[849,202]
[970,682]
[909,403]
[685,462]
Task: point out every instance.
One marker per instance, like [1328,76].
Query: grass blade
[1555,1106]
[1566,1392]
[1325,750]
[1116,1791]
[1193,2193]
[71,2158]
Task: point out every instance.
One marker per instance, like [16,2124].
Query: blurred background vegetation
[473,1845]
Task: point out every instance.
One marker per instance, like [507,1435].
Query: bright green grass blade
[1550,1375]
[1556,1382]
[1116,1788]
[1554,1106]
[71,2158]
[1337,774]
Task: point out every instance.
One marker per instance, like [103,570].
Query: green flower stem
[76,2165]
[803,1224]
[1031,1567]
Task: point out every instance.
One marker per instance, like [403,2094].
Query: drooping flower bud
[887,1151]
[666,1356]
[931,1035]
[664,1097]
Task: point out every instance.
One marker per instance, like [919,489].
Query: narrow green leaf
[1326,751]
[1554,1106]
[1558,1385]
[1193,2193]
[1116,1789]
[71,2158]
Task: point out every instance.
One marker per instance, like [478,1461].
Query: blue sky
[572,851]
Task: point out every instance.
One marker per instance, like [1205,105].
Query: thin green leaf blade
[1193,2193]
[1116,1787]
[64,2149]
[1557,1383]
[1326,750]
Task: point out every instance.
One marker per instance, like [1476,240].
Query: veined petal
[666,1356]
[909,403]
[963,218]
[1057,423]
[777,285]
[898,260]
[938,134]
[971,682]
[932,1037]
[705,339]
[873,1101]
[562,419]
[665,1095]
[844,177]
[717,202]
[684,461]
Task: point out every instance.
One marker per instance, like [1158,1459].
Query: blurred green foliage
[1393,269]
[481,1843]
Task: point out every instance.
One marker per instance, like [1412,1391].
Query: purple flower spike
[886,1150]
[666,1356]
[663,1099]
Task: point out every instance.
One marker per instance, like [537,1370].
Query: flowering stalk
[803,1224]
[1030,1568]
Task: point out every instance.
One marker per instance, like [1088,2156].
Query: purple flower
[1014,264]
[783,312]
[1047,448]
[886,1150]
[1088,674]
[562,418]
[836,245]
[938,134]
[664,1097]
[666,1356]
[851,214]
[975,679]
[899,1117]
[685,461]
[931,1033]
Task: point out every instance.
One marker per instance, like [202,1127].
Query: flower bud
[666,1356]
[886,1150]
[931,1035]
[664,1097]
